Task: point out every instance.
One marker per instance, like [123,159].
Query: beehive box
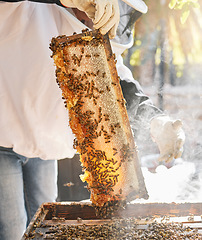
[70,220]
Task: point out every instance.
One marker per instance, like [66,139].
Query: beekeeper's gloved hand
[169,137]
[104,13]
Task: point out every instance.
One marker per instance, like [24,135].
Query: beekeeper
[33,120]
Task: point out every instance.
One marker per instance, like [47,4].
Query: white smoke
[181,182]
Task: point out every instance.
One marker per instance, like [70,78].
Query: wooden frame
[77,213]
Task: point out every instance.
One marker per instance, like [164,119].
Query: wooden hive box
[71,220]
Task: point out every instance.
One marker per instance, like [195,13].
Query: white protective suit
[34,121]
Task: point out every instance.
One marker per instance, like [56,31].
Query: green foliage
[135,59]
[184,6]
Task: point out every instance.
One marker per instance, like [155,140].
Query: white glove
[104,13]
[169,137]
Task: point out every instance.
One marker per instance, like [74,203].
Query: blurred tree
[167,38]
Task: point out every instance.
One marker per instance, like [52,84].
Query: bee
[69,184]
